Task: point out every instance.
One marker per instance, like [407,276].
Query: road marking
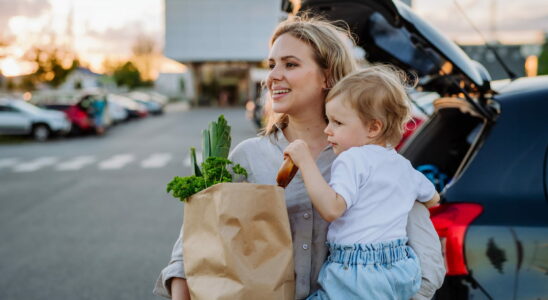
[186,162]
[76,163]
[7,162]
[116,162]
[156,160]
[35,164]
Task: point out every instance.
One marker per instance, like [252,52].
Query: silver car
[18,117]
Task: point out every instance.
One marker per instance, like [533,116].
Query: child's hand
[299,153]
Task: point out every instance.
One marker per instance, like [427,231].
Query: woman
[307,57]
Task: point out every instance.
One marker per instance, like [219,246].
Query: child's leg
[380,271]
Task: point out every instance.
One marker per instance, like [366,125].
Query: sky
[97,29]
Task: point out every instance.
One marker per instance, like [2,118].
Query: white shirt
[379,187]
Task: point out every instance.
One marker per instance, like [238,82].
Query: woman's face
[295,81]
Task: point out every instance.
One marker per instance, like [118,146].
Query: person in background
[307,57]
[99,106]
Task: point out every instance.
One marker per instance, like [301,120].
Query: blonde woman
[307,57]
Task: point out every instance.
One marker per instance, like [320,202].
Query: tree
[543,59]
[127,75]
[54,64]
[145,53]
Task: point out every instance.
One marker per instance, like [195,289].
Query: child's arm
[432,202]
[327,202]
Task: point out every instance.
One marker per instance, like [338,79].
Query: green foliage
[216,144]
[54,65]
[184,187]
[214,170]
[206,145]
[194,162]
[543,59]
[127,75]
[219,133]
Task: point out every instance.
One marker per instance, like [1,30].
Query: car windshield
[24,106]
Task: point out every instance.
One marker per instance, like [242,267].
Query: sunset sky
[108,28]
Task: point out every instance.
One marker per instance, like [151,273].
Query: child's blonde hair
[331,52]
[377,93]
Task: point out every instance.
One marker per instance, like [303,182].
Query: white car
[116,111]
[18,117]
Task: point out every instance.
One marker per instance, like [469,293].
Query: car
[18,117]
[484,148]
[134,109]
[116,112]
[154,104]
[81,122]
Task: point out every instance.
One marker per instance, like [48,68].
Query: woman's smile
[279,93]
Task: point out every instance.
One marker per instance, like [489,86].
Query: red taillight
[451,221]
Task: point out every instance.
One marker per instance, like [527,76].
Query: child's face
[345,128]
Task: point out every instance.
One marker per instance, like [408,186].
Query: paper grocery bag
[237,243]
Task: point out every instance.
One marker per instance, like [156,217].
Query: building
[220,42]
[81,78]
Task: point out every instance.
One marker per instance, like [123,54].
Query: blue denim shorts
[387,270]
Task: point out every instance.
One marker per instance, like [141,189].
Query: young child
[371,191]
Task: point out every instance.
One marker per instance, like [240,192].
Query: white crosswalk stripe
[35,165]
[76,163]
[156,160]
[8,162]
[116,162]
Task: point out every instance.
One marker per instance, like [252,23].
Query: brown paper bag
[237,243]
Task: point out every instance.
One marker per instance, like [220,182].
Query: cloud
[119,39]
[27,8]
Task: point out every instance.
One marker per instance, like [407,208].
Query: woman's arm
[179,289]
[426,243]
[174,270]
[327,202]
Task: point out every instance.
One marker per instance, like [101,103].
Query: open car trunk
[443,146]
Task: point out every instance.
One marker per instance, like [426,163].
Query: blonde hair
[377,93]
[331,52]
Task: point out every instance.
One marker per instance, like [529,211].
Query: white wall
[220,30]
[169,84]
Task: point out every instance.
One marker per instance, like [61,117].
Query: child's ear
[375,129]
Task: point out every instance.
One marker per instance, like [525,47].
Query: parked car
[81,122]
[134,109]
[116,111]
[485,149]
[18,117]
[154,105]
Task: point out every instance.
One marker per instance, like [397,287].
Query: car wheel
[41,132]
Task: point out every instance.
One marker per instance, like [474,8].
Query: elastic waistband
[366,254]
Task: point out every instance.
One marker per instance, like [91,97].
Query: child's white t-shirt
[379,187]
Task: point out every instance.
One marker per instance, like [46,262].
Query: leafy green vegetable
[214,171]
[206,144]
[216,145]
[219,137]
[194,162]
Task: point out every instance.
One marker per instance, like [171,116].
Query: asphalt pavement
[89,217]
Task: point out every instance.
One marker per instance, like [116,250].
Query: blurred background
[101,100]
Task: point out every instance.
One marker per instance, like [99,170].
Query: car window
[5,108]
[24,106]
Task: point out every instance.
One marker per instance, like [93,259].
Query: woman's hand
[299,152]
[179,289]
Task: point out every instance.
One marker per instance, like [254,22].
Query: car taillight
[451,221]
